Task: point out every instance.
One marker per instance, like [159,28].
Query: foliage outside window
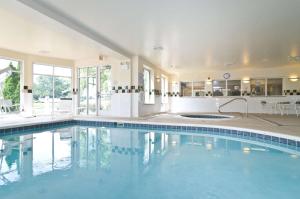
[234,87]
[105,88]
[10,83]
[52,89]
[257,87]
[219,87]
[274,86]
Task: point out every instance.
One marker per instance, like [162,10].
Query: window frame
[150,99]
[53,80]
[267,84]
[164,83]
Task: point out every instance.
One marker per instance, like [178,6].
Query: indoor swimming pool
[86,161]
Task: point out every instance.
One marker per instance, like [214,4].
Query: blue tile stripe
[36,127]
[160,127]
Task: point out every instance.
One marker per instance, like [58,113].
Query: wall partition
[52,90]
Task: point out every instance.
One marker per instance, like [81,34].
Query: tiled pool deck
[278,130]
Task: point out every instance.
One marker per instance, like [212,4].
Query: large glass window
[9,85]
[186,88]
[164,89]
[274,86]
[148,86]
[257,87]
[52,90]
[219,87]
[199,88]
[196,88]
[234,87]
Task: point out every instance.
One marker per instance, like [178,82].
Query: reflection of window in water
[51,151]
[82,146]
[42,153]
[88,147]
[9,160]
[149,146]
[92,147]
[95,147]
[62,148]
[105,148]
[164,142]
[146,148]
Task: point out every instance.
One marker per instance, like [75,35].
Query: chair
[284,107]
[7,106]
[269,105]
[1,106]
[64,105]
[297,108]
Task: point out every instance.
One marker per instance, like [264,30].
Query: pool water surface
[88,162]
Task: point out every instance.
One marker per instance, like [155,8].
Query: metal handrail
[232,100]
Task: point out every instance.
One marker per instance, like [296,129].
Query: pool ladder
[235,99]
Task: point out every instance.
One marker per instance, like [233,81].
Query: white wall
[211,104]
[157,107]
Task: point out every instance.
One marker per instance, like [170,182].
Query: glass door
[104,89]
[94,90]
[87,91]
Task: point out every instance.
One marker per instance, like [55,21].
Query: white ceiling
[26,30]
[195,34]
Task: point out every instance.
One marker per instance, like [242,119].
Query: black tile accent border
[291,92]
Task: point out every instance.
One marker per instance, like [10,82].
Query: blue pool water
[88,162]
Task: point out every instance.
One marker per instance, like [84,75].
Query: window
[87,90]
[234,87]
[186,88]
[274,86]
[10,73]
[52,89]
[164,90]
[148,86]
[257,87]
[219,88]
[105,88]
[199,88]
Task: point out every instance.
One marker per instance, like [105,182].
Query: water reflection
[123,155]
